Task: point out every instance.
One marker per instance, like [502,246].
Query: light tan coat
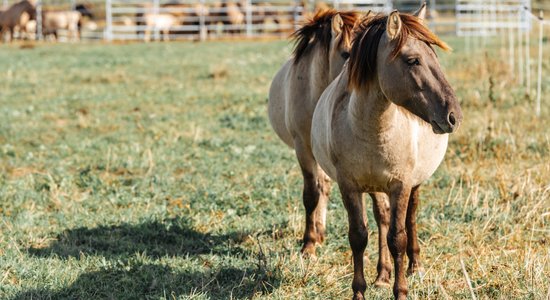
[382,127]
[321,50]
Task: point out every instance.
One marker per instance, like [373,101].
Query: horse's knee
[358,238]
[397,241]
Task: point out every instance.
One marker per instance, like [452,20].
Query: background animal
[53,21]
[162,22]
[15,18]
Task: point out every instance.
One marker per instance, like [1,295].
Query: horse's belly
[276,105]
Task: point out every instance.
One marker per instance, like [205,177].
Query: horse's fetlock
[400,292]
[359,285]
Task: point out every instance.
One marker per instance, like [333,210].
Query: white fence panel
[488,17]
[199,20]
[376,6]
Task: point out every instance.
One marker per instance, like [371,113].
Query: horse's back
[60,19]
[276,107]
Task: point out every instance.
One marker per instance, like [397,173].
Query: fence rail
[211,19]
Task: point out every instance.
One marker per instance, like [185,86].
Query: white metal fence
[199,19]
[211,19]
[489,17]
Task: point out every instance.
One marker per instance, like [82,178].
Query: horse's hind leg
[315,198]
[381,209]
[413,249]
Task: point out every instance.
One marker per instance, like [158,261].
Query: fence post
[539,82]
[156,12]
[528,49]
[520,46]
[108,35]
[296,13]
[248,18]
[511,49]
[203,30]
[39,35]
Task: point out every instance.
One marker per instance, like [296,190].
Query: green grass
[149,171]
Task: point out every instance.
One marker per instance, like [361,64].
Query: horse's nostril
[452,119]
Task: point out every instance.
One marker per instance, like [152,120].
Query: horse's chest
[409,157]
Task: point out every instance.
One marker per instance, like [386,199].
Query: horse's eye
[413,62]
[345,55]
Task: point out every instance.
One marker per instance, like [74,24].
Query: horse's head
[341,36]
[84,11]
[329,32]
[401,60]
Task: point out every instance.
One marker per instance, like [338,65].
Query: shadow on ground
[172,237]
[236,275]
[157,282]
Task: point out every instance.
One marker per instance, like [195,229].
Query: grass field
[149,171]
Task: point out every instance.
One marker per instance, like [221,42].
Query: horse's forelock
[363,56]
[318,30]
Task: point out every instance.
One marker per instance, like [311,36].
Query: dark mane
[363,55]
[318,31]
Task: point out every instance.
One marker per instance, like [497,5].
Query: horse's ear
[364,17]
[393,25]
[337,25]
[421,12]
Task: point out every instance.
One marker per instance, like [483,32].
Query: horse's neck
[370,111]
[318,70]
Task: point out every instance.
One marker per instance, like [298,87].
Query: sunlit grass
[149,171]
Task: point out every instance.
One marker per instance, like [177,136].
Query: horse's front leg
[397,236]
[358,238]
[315,197]
[413,249]
[381,209]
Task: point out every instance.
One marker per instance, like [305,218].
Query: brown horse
[229,14]
[382,127]
[17,16]
[322,46]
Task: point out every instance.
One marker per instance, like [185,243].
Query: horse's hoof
[358,296]
[308,251]
[383,279]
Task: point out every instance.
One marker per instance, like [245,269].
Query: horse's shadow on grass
[126,276]
[172,237]
[149,281]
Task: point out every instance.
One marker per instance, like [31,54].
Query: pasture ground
[149,171]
